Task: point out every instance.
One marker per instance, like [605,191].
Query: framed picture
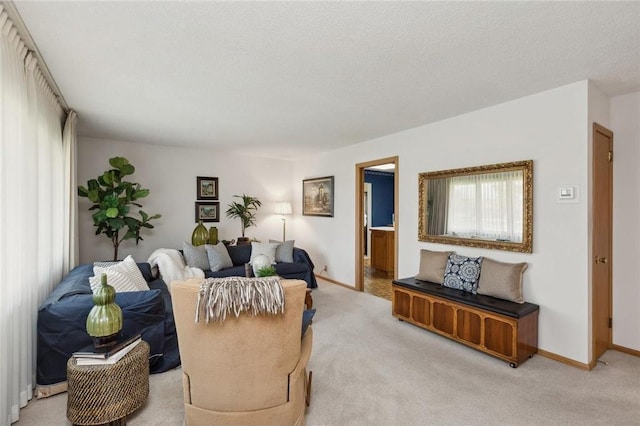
[207,188]
[317,196]
[207,212]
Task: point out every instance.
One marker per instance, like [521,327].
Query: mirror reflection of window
[438,199]
[486,206]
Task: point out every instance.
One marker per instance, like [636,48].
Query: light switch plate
[567,194]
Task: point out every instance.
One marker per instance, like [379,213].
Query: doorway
[368,239]
[602,213]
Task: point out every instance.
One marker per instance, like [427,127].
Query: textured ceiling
[294,78]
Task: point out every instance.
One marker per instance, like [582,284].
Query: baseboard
[45,391]
[332,281]
[565,360]
[625,350]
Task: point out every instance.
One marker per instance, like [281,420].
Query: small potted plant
[267,271]
[246,212]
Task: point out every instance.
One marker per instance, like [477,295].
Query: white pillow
[268,249]
[119,281]
[218,256]
[123,276]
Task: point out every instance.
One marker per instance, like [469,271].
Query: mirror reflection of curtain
[437,201]
[488,206]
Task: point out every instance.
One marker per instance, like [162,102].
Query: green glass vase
[105,318]
[213,235]
[200,235]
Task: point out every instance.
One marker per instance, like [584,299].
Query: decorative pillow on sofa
[462,272]
[123,276]
[106,264]
[195,256]
[502,280]
[268,249]
[432,265]
[218,256]
[284,251]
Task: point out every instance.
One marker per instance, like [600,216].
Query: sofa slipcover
[61,328]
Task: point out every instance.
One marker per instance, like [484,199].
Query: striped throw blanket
[219,297]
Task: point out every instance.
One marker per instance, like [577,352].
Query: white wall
[625,124]
[170,175]
[550,128]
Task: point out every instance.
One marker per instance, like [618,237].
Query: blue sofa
[62,324]
[300,269]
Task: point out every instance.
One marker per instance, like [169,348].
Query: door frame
[608,133]
[359,218]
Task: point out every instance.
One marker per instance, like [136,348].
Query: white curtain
[487,206]
[32,212]
[70,231]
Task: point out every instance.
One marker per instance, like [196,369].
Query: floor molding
[625,350]
[332,281]
[564,360]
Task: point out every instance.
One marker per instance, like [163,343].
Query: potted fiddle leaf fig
[246,212]
[112,198]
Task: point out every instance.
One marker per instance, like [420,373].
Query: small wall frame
[207,211]
[207,188]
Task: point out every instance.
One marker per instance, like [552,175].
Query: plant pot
[243,241]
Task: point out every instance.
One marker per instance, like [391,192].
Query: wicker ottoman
[99,394]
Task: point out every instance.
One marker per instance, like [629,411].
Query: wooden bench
[501,328]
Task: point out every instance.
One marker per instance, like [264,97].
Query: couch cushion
[145,269]
[267,249]
[283,268]
[462,272]
[502,280]
[235,271]
[195,256]
[240,254]
[284,251]
[123,276]
[432,265]
[218,256]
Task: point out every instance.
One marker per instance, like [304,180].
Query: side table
[99,394]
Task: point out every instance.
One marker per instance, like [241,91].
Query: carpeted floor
[371,369]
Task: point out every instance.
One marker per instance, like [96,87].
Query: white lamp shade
[282,207]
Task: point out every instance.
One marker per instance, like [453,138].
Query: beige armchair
[249,370]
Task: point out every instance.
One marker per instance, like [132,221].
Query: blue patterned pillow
[462,272]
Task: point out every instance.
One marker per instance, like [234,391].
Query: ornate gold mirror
[486,206]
